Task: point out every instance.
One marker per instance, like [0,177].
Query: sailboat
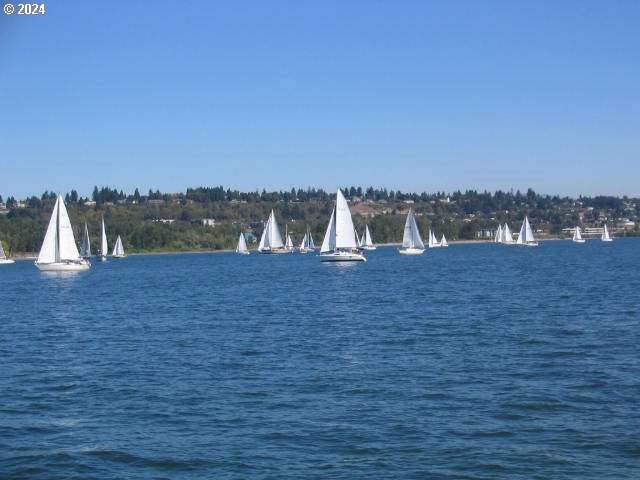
[605,234]
[271,239]
[507,238]
[443,242]
[3,256]
[433,242]
[307,242]
[242,249]
[85,249]
[288,244]
[339,244]
[367,242]
[577,236]
[499,238]
[102,253]
[526,237]
[118,249]
[59,251]
[412,243]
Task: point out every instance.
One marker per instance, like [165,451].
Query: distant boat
[443,242]
[59,251]
[102,253]
[526,237]
[307,244]
[3,256]
[367,242]
[498,238]
[507,238]
[118,249]
[271,239]
[357,237]
[605,235]
[433,242]
[85,249]
[242,249]
[339,244]
[577,236]
[412,243]
[289,243]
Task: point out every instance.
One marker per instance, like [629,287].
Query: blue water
[472,362]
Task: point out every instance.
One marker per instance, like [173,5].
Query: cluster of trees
[458,215]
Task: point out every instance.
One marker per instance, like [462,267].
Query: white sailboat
[307,242]
[412,243]
[118,249]
[433,242]
[271,239]
[288,244]
[367,242]
[104,248]
[605,235]
[577,236]
[498,238]
[85,249]
[526,237]
[507,238]
[3,256]
[59,251]
[443,241]
[242,249]
[339,244]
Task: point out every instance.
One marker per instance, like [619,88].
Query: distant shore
[34,256]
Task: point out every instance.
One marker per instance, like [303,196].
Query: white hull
[607,239]
[410,251]
[275,251]
[306,250]
[342,257]
[246,252]
[6,261]
[63,266]
[582,240]
[370,247]
[528,244]
[118,256]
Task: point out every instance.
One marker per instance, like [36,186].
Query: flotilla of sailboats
[341,241]
[412,243]
[340,244]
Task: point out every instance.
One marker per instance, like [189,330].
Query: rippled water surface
[476,361]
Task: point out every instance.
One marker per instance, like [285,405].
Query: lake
[478,361]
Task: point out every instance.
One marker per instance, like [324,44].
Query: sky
[416,96]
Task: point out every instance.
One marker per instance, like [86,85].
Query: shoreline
[33,256]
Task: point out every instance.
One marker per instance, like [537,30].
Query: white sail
[499,238]
[367,241]
[526,234]
[49,252]
[345,231]
[605,234]
[310,243]
[433,241]
[85,251]
[289,243]
[264,238]
[358,241]
[303,244]
[242,244]
[118,249]
[104,248]
[507,237]
[411,237]
[68,247]
[329,242]
[577,236]
[3,256]
[443,242]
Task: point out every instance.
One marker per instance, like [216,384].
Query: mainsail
[499,238]
[411,237]
[242,244]
[85,250]
[118,249]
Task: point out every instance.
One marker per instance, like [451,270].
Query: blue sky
[417,96]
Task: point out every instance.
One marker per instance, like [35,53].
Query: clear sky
[417,96]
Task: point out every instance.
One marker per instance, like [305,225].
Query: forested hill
[210,218]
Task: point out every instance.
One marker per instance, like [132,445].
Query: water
[472,362]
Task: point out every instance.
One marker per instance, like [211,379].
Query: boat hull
[410,251]
[306,250]
[118,256]
[579,241]
[275,252]
[244,253]
[63,266]
[607,239]
[342,257]
[370,247]
[7,261]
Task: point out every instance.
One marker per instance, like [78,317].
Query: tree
[136,195]
[94,196]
